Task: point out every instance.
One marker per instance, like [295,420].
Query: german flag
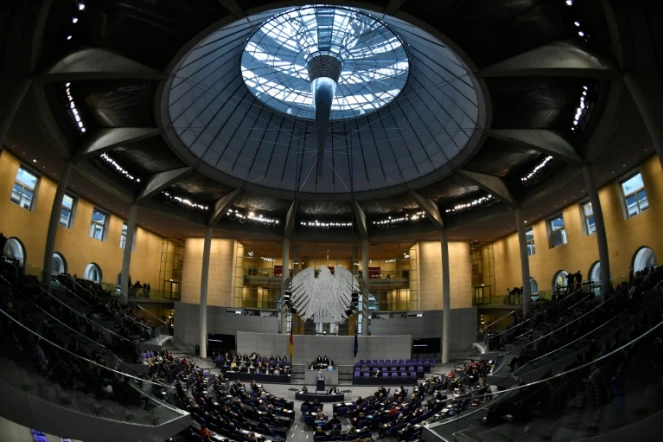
[291,347]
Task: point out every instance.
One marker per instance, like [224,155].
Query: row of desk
[248,377]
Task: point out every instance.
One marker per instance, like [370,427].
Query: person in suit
[333,390]
[325,360]
[319,359]
[378,373]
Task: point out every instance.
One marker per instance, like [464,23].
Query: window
[635,196]
[560,280]
[595,277]
[533,286]
[23,192]
[288,322]
[644,258]
[123,236]
[98,225]
[67,211]
[531,247]
[588,217]
[14,249]
[59,264]
[92,273]
[557,231]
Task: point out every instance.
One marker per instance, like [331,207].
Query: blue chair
[366,375]
[303,408]
[394,375]
[361,362]
[404,374]
[309,419]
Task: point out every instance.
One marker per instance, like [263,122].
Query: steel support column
[446,296]
[524,262]
[204,277]
[53,222]
[601,238]
[126,258]
[647,92]
[283,325]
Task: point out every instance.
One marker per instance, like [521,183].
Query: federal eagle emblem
[325,298]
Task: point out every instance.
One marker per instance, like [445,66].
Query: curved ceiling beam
[541,140]
[360,217]
[290,219]
[493,185]
[100,180]
[97,64]
[222,204]
[232,7]
[558,59]
[159,181]
[393,6]
[106,139]
[430,208]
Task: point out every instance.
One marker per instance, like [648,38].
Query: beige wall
[222,264]
[74,243]
[430,275]
[625,237]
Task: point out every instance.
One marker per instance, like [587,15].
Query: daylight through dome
[363,63]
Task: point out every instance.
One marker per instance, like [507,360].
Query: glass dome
[283,58]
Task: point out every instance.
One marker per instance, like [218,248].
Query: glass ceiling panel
[375,64]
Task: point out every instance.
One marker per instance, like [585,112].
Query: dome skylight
[284,60]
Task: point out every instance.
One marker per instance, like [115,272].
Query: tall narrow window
[98,224]
[557,231]
[123,236]
[23,192]
[588,218]
[531,247]
[66,214]
[635,196]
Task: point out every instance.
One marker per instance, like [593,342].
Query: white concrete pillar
[126,257]
[204,278]
[524,262]
[446,296]
[601,238]
[53,222]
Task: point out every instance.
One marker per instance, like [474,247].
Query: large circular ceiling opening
[288,61]
[323,100]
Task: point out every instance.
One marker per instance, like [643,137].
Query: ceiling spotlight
[580,33]
[74,20]
[577,23]
[81,6]
[34,161]
[68,37]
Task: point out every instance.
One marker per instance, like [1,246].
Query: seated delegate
[322,363]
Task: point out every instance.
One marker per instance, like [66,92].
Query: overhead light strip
[119,169]
[538,168]
[471,204]
[408,217]
[184,201]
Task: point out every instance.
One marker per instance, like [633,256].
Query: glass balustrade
[605,391]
